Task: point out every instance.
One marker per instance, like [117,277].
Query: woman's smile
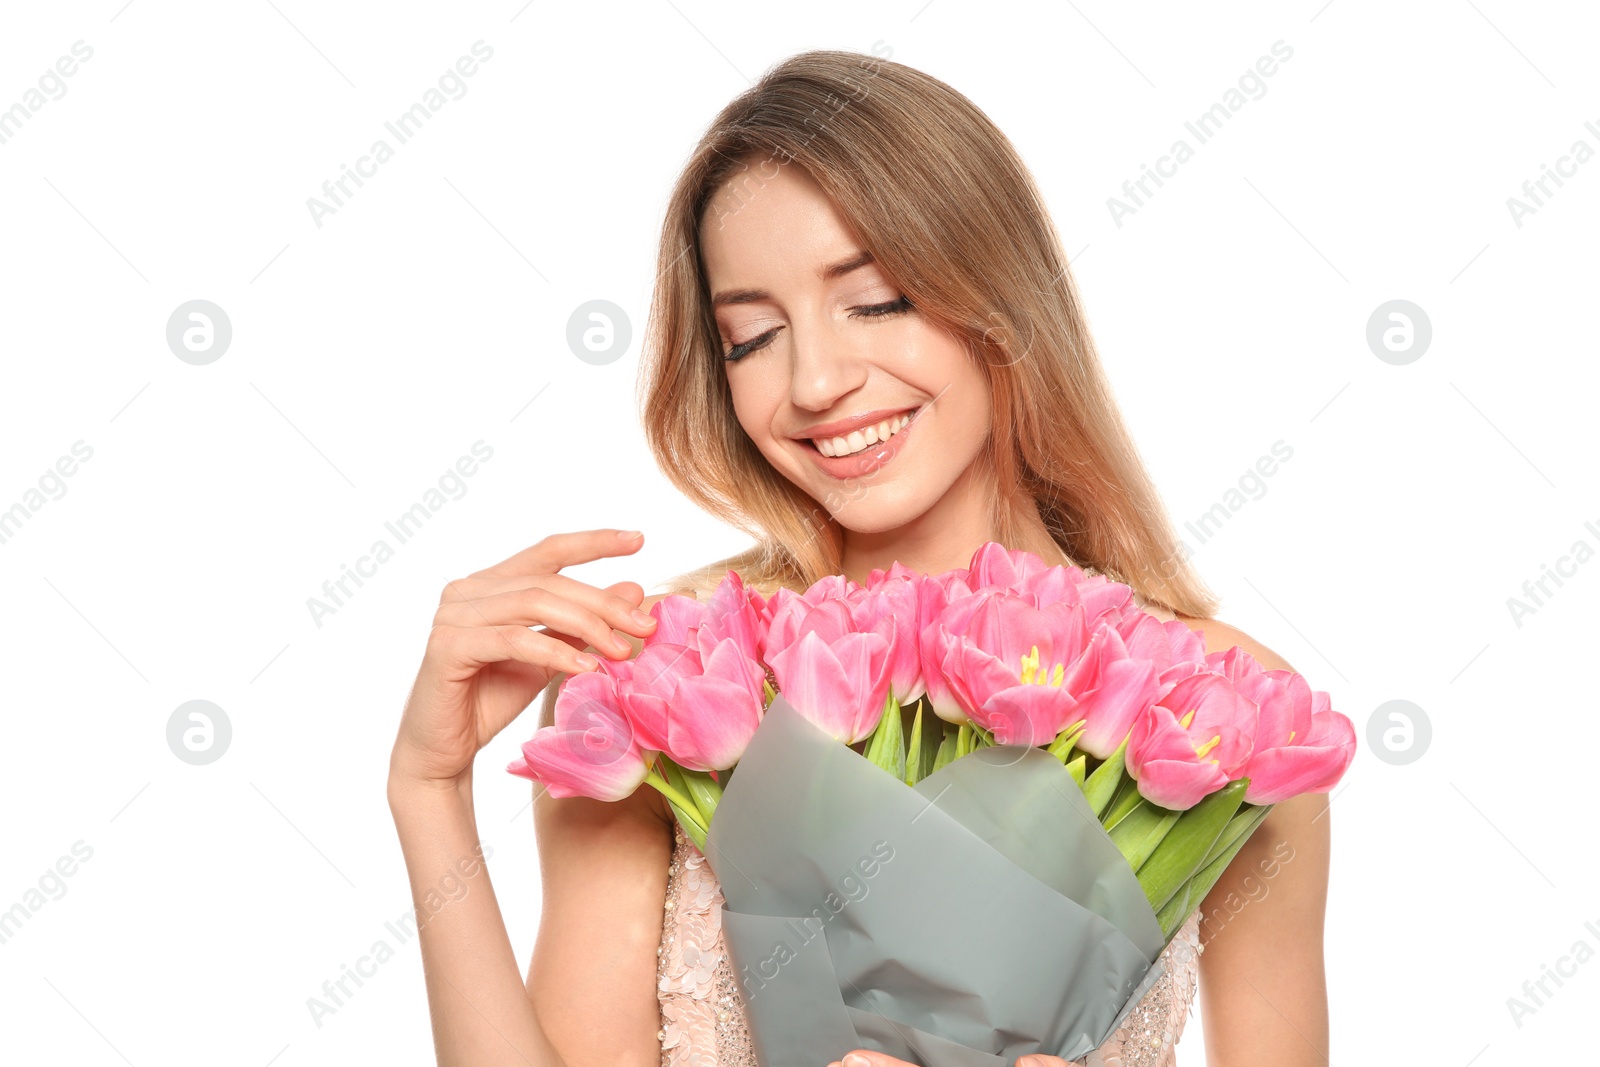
[862,452]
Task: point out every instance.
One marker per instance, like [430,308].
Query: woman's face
[830,360]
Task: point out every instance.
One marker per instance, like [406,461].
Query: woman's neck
[945,536]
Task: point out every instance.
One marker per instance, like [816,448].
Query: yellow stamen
[1030,664]
[1031,674]
[1200,752]
[1188,717]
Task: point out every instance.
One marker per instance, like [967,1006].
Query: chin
[877,509]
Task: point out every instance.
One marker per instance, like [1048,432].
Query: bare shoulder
[1220,636]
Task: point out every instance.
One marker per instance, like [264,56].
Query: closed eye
[867,311]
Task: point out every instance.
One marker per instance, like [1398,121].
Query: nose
[825,366]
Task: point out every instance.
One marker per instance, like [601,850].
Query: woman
[865,347]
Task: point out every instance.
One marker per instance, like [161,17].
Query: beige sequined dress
[702,1017]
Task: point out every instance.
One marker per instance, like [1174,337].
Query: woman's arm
[1262,985]
[603,866]
[590,995]
[480,1012]
[501,637]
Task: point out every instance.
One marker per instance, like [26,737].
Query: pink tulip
[734,612]
[784,612]
[994,566]
[1192,742]
[713,715]
[677,616]
[901,600]
[1115,688]
[835,675]
[900,570]
[1014,668]
[948,609]
[1026,574]
[1175,649]
[590,749]
[1302,745]
[648,688]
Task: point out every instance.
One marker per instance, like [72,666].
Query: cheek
[755,402]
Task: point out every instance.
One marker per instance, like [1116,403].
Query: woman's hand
[864,1058]
[484,662]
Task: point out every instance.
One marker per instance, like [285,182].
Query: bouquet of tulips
[1057,731]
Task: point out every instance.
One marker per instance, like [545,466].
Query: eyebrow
[827,274]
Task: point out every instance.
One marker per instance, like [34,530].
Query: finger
[558,550]
[462,650]
[863,1057]
[475,588]
[566,618]
[614,603]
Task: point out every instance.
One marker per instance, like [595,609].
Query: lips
[870,459]
[845,427]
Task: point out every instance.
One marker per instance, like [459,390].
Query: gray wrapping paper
[978,916]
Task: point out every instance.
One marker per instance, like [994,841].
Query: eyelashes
[866,311]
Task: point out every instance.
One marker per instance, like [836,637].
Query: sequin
[702,1015]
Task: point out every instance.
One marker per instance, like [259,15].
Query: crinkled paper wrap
[978,916]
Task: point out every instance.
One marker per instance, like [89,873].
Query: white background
[430,312]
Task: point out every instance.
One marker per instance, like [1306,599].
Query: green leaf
[1193,892]
[920,757]
[1186,845]
[1128,797]
[1139,832]
[887,746]
[1245,822]
[1100,786]
[947,747]
[1075,768]
[1061,747]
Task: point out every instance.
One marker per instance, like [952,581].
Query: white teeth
[862,439]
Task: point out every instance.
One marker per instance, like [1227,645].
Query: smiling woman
[865,348]
[823,280]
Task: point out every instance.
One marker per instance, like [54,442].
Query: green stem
[685,806]
[1103,781]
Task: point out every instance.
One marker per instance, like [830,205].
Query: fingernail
[642,618]
[853,1060]
[629,535]
[587,662]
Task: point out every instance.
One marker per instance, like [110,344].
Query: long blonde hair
[942,200]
